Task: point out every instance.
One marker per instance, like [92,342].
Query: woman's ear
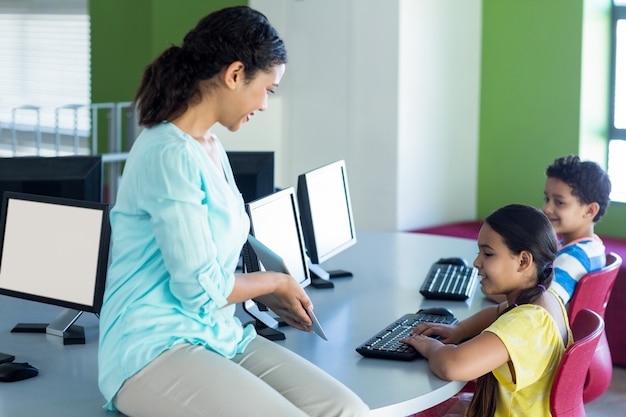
[234,75]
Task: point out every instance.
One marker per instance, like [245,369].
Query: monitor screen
[275,222]
[326,211]
[54,251]
[76,177]
[253,172]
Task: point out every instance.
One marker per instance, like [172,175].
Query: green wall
[530,112]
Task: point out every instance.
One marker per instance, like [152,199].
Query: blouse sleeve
[175,198]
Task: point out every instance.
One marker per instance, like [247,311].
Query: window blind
[45,66]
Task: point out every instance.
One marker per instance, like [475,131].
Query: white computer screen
[52,251]
[326,211]
[275,223]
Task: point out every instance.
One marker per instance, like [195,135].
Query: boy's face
[568,215]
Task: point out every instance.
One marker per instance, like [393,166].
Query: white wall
[391,87]
[438,111]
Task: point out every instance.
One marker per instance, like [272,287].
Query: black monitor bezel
[306,216]
[41,169]
[258,164]
[103,253]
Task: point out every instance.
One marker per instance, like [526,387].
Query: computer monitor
[76,177]
[253,172]
[326,217]
[54,251]
[275,222]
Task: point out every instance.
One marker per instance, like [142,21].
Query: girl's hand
[447,333]
[425,345]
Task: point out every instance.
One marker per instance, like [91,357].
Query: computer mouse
[5,357]
[17,371]
[437,311]
[453,261]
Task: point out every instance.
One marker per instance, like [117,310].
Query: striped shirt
[573,261]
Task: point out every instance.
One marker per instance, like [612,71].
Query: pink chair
[566,396]
[593,292]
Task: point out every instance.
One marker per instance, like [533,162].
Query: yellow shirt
[535,346]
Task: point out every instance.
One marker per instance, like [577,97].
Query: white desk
[388,269]
[67,384]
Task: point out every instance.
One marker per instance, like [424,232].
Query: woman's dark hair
[589,182]
[522,228]
[232,34]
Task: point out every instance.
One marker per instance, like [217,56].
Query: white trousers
[266,380]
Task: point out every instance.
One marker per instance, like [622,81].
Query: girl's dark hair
[589,182]
[232,34]
[523,228]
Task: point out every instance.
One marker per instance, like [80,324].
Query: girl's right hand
[447,333]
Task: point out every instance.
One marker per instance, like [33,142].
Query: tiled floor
[613,402]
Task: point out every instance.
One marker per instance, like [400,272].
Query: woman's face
[247,97]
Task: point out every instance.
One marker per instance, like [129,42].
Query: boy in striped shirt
[576,196]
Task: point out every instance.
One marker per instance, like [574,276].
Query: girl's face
[502,271]
[249,96]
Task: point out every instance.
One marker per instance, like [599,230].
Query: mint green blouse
[178,227]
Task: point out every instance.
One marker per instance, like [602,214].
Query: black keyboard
[449,282]
[386,343]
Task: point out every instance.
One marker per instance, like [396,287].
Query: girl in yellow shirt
[513,348]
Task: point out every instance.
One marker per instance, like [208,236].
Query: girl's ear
[525,261]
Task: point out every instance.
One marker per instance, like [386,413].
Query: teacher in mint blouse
[170,344]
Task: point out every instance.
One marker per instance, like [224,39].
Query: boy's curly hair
[589,182]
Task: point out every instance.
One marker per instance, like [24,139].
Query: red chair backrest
[566,396]
[594,289]
[593,292]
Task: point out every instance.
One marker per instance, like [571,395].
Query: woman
[170,344]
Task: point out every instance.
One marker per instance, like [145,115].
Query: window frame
[618,12]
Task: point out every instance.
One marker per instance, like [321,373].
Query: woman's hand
[290,302]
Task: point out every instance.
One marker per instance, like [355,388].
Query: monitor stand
[62,326]
[320,278]
[264,323]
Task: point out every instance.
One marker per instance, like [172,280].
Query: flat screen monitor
[54,251]
[253,172]
[326,215]
[77,177]
[275,222]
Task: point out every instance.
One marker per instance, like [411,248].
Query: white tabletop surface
[388,269]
